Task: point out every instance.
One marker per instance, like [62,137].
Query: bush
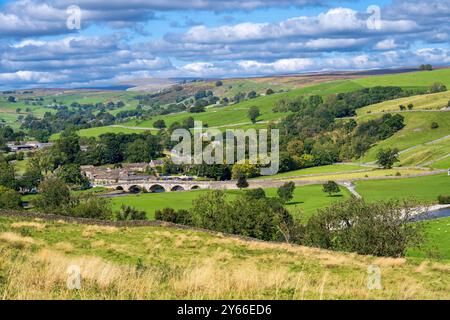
[263,218]
[331,187]
[444,199]
[128,213]
[93,208]
[9,199]
[434,125]
[379,229]
[170,215]
[286,191]
[54,197]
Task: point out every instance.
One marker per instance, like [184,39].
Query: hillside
[167,263]
[417,131]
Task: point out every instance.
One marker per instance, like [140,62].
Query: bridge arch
[195,188]
[119,188]
[177,188]
[156,188]
[134,189]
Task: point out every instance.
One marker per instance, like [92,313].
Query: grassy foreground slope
[167,263]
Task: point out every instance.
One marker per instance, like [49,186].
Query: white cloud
[386,44]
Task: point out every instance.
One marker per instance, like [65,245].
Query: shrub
[128,213]
[9,199]
[380,229]
[93,208]
[286,191]
[54,197]
[241,181]
[331,187]
[434,125]
[444,199]
[170,215]
[263,218]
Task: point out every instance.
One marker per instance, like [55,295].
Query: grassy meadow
[307,199]
[417,131]
[433,101]
[425,189]
[168,263]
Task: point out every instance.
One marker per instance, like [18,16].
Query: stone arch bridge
[168,185]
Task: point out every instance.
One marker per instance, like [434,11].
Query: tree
[188,123]
[241,181]
[253,114]
[10,199]
[402,107]
[31,178]
[219,83]
[387,157]
[69,145]
[263,218]
[379,229]
[426,67]
[331,187]
[138,151]
[286,191]
[159,124]
[437,87]
[71,175]
[410,106]
[90,206]
[54,196]
[12,99]
[247,169]
[7,175]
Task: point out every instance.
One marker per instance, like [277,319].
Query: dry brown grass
[36,225]
[189,265]
[15,238]
[92,230]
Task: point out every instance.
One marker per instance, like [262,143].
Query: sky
[82,43]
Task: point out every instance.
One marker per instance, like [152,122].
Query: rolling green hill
[416,132]
[434,101]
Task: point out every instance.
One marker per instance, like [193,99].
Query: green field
[434,101]
[417,131]
[409,79]
[426,188]
[307,199]
[97,131]
[438,240]
[334,168]
[442,164]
